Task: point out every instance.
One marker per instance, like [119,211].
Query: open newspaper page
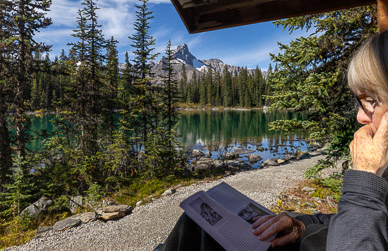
[227,218]
[237,202]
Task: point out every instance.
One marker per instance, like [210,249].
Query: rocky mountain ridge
[193,66]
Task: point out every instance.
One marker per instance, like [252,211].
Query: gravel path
[149,225]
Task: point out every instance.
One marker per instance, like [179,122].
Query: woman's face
[371,118]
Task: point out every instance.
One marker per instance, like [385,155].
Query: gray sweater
[362,219]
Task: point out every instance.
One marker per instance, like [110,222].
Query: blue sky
[247,45]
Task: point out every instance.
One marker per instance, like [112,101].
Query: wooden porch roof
[206,15]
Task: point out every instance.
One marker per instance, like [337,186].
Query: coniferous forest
[116,128]
[110,129]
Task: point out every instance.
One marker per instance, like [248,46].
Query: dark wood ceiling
[206,15]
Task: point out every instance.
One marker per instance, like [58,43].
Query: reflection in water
[220,131]
[233,127]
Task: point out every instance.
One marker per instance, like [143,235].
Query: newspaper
[226,215]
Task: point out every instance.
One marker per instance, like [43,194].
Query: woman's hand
[266,226]
[370,152]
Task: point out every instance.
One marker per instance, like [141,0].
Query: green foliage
[310,77]
[95,192]
[19,192]
[162,159]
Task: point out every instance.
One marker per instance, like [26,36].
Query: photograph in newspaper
[251,211]
[206,211]
[227,215]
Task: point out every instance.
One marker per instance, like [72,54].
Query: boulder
[43,203]
[208,154]
[253,158]
[67,224]
[75,203]
[37,207]
[301,155]
[237,165]
[288,157]
[112,216]
[31,211]
[206,161]
[218,163]
[269,162]
[240,150]
[260,149]
[201,167]
[118,208]
[280,161]
[42,230]
[316,144]
[230,155]
[168,192]
[85,217]
[197,154]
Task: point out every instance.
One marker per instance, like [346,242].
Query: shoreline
[150,224]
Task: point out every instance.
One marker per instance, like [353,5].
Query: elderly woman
[361,221]
[362,218]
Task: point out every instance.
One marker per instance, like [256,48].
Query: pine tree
[170,94]
[86,92]
[24,19]
[227,87]
[143,43]
[310,73]
[183,84]
[111,85]
[209,89]
[259,80]
[5,92]
[218,90]
[18,193]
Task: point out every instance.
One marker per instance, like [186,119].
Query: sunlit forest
[113,131]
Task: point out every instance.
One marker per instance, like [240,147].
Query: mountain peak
[182,47]
[182,53]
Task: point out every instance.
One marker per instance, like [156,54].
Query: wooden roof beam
[382,8]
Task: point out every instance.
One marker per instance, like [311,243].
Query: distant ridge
[192,65]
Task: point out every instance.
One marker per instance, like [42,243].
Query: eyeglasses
[366,103]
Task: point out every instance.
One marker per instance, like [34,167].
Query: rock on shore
[149,224]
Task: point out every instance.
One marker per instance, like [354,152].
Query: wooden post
[382,12]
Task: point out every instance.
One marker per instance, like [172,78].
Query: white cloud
[117,19]
[256,54]
[64,12]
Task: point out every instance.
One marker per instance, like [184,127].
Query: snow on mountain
[192,65]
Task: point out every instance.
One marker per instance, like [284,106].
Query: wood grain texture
[206,15]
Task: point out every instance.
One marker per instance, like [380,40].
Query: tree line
[109,128]
[246,88]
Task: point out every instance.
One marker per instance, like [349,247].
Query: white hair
[368,70]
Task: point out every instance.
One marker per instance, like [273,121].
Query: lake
[222,131]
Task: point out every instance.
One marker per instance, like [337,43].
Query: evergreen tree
[202,91]
[209,90]
[311,71]
[183,84]
[218,90]
[6,27]
[259,80]
[18,193]
[170,95]
[85,94]
[227,87]
[111,85]
[143,43]
[23,20]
